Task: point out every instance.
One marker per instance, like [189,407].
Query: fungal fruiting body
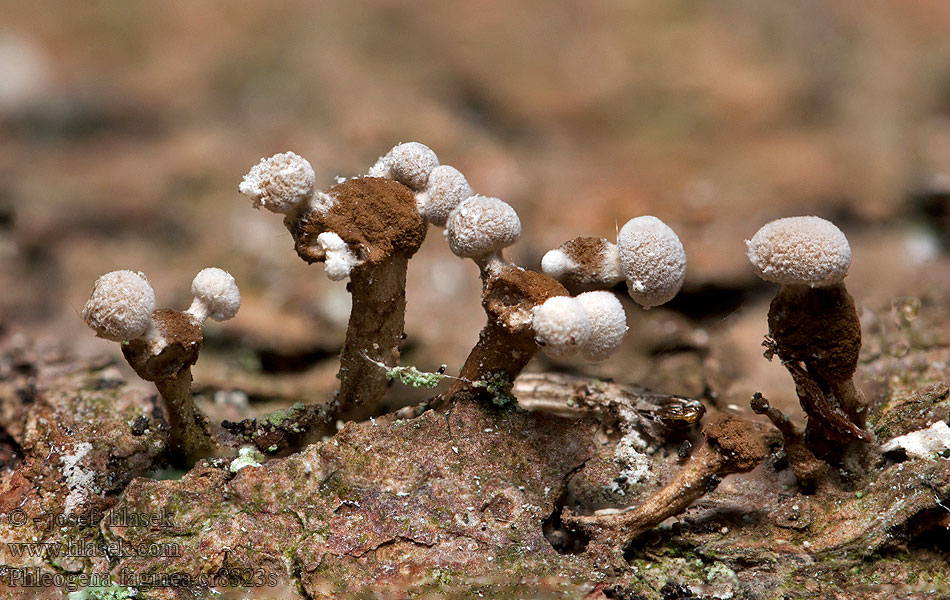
[216,295]
[366,229]
[410,164]
[161,345]
[481,226]
[652,259]
[363,229]
[608,324]
[648,255]
[813,323]
[279,183]
[800,251]
[593,323]
[561,325]
[445,190]
[340,260]
[584,264]
[120,306]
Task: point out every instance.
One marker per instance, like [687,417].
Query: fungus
[813,323]
[482,226]
[800,251]
[165,348]
[279,183]
[410,164]
[608,324]
[508,341]
[446,189]
[652,259]
[584,264]
[340,260]
[526,310]
[120,306]
[732,446]
[364,229]
[561,325]
[216,295]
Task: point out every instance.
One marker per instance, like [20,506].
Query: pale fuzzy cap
[216,295]
[800,250]
[410,164]
[279,183]
[120,306]
[608,324]
[561,326]
[340,260]
[447,188]
[653,260]
[584,264]
[482,225]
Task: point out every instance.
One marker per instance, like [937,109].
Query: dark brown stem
[817,334]
[164,355]
[189,435]
[506,344]
[379,222]
[807,468]
[375,332]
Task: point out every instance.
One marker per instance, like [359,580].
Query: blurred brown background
[125,128]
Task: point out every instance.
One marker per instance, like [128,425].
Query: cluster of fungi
[366,229]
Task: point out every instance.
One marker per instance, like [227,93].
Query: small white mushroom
[279,183]
[482,225]
[121,305]
[608,324]
[561,326]
[584,263]
[340,260]
[447,188]
[652,259]
[216,295]
[410,164]
[800,251]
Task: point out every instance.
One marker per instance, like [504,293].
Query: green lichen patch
[499,385]
[413,377]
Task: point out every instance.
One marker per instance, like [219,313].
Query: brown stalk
[379,221]
[816,333]
[507,342]
[732,446]
[164,355]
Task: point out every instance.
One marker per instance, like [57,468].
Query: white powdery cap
[608,324]
[120,306]
[340,260]
[410,164]
[216,295]
[279,183]
[482,225]
[447,188]
[653,260]
[561,326]
[800,250]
